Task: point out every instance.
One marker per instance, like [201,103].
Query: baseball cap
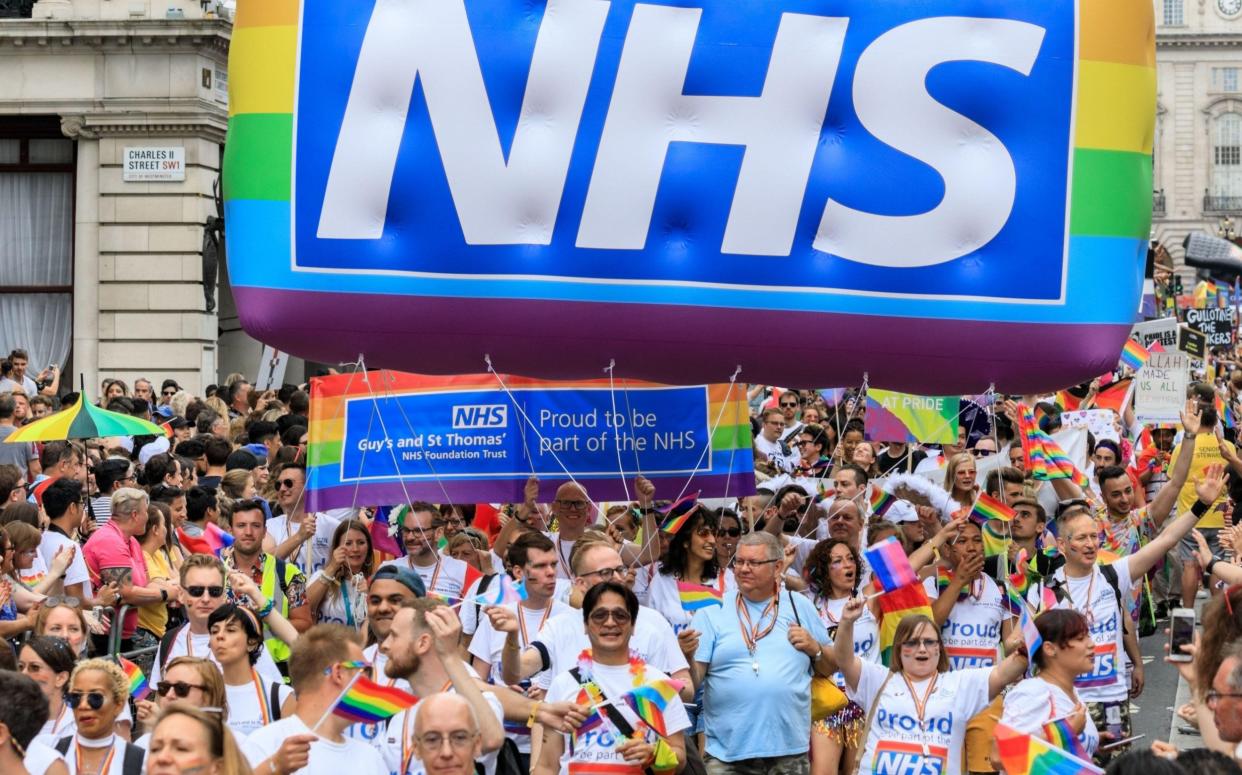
[403,576]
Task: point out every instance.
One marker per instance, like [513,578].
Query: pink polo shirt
[108,548]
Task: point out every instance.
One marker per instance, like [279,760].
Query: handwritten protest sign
[1160,387]
[1098,421]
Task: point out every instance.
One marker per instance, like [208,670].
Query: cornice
[1167,40]
[95,126]
[110,34]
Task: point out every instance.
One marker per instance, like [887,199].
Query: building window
[1225,79]
[36,240]
[1173,13]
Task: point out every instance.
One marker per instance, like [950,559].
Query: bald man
[446,735]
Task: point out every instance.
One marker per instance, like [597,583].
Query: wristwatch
[163,595]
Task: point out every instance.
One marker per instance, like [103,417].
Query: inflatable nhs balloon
[944,193]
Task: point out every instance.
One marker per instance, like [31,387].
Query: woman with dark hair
[923,701]
[688,578]
[49,662]
[338,591]
[832,573]
[729,529]
[1067,651]
[236,643]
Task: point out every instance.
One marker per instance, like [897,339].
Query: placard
[388,437]
[1163,331]
[1098,421]
[1160,388]
[161,164]
[902,417]
[1216,323]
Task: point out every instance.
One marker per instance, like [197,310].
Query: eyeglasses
[744,564]
[179,688]
[198,591]
[1212,697]
[914,643]
[606,574]
[95,700]
[69,601]
[775,423]
[459,739]
[285,483]
[728,532]
[574,505]
[602,615]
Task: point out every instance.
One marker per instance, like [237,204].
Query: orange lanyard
[920,706]
[435,574]
[522,623]
[1089,613]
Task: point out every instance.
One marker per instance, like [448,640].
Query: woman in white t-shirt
[832,575]
[689,577]
[49,661]
[236,642]
[337,592]
[917,711]
[1067,652]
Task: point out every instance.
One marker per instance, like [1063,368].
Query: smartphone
[1181,633]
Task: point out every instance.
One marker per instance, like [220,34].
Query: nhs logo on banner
[892,147]
[480,416]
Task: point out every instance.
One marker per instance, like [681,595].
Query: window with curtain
[1173,13]
[36,246]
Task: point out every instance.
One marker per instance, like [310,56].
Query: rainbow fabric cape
[1060,734]
[1024,754]
[212,541]
[895,606]
[881,501]
[695,596]
[1045,460]
[679,512]
[1134,355]
[649,701]
[890,566]
[987,508]
[138,686]
[366,702]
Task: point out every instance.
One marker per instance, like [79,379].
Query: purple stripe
[507,491]
[679,344]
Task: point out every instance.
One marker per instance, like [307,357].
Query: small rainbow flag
[1020,579]
[995,542]
[649,701]
[366,702]
[890,565]
[679,512]
[212,541]
[1030,633]
[1014,600]
[588,699]
[1134,355]
[1024,754]
[506,592]
[895,606]
[881,501]
[138,686]
[1060,734]
[986,507]
[944,578]
[695,596]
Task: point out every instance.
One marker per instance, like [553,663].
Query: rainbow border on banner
[729,467]
[1109,208]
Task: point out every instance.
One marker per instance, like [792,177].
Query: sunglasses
[179,688]
[729,532]
[602,615]
[168,392]
[285,483]
[94,700]
[198,591]
[68,601]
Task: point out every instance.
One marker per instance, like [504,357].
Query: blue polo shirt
[748,715]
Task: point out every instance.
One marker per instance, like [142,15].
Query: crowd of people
[754,627]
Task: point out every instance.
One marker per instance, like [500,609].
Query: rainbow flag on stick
[995,542]
[1060,734]
[986,507]
[1030,633]
[890,566]
[881,501]
[366,702]
[1134,355]
[138,686]
[649,701]
[506,592]
[679,512]
[695,596]
[1023,754]
[895,606]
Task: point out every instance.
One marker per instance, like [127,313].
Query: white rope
[616,429]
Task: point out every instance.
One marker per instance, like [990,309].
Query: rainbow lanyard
[103,768]
[264,708]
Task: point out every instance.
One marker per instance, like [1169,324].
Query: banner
[612,179]
[388,437]
[1100,422]
[1215,323]
[1160,388]
[893,416]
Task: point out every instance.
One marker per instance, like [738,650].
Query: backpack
[273,700]
[130,765]
[484,583]
[166,644]
[508,760]
[1110,575]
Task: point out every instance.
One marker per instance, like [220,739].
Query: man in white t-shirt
[62,502]
[768,443]
[564,636]
[202,591]
[320,668]
[422,647]
[1086,587]
[420,531]
[297,536]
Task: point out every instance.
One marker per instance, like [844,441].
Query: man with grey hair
[114,556]
[755,657]
[446,735]
[21,454]
[1225,697]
